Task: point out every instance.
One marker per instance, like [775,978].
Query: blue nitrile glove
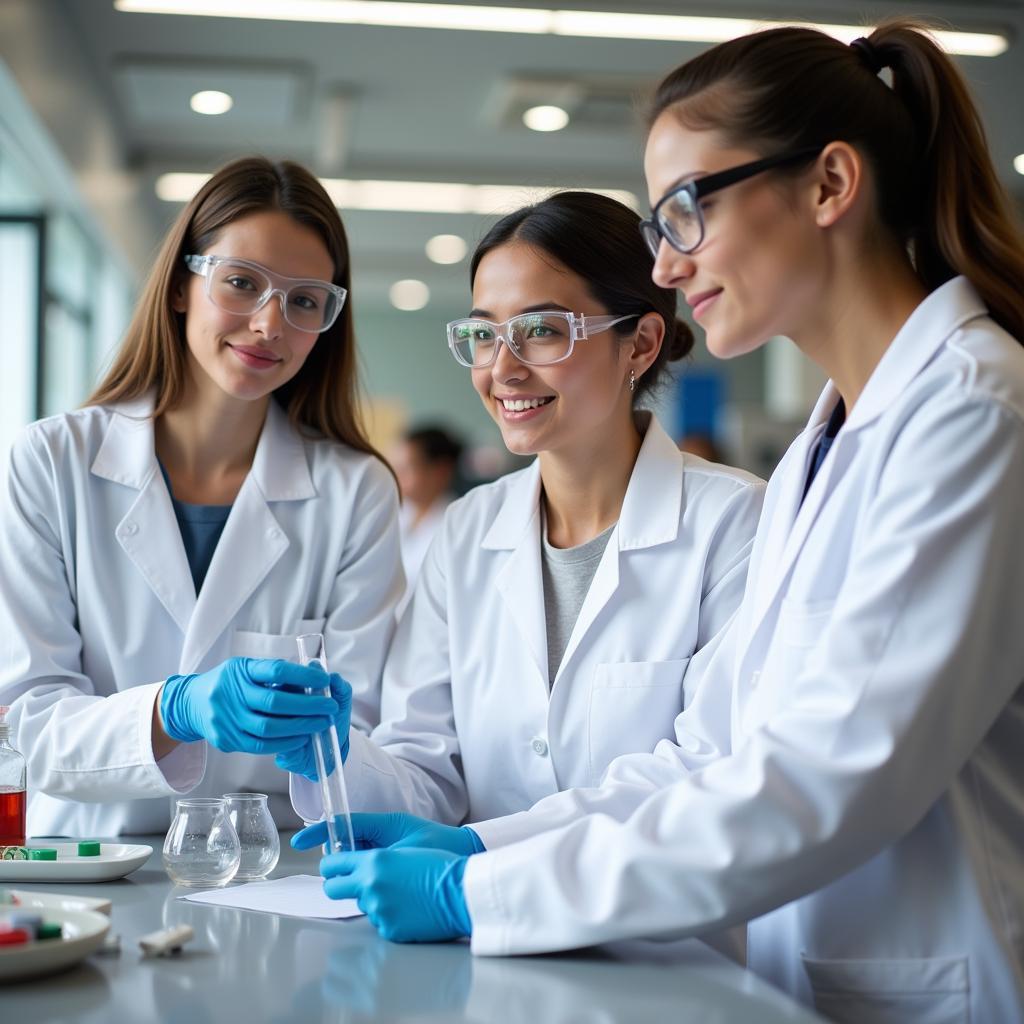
[301,760]
[408,895]
[398,831]
[253,705]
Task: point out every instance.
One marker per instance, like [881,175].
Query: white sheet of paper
[294,896]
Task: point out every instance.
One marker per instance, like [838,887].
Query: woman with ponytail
[566,613]
[848,776]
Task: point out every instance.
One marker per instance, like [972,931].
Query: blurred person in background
[426,462]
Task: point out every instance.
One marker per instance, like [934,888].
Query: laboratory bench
[253,967]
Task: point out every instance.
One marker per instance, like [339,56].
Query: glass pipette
[332,786]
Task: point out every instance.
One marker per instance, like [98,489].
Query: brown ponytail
[938,191]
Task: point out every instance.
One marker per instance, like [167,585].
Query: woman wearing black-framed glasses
[849,779]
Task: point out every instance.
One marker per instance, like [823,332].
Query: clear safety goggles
[243,287]
[537,339]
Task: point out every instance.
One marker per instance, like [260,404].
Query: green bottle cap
[49,930]
[89,848]
[41,854]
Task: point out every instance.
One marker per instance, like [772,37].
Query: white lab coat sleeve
[922,652]
[78,744]
[367,587]
[411,761]
[701,730]
[725,570]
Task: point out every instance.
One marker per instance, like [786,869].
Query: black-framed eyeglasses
[677,216]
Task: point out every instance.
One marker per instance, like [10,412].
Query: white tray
[114,861]
[30,899]
[84,931]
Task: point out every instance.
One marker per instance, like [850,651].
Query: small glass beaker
[257,834]
[201,848]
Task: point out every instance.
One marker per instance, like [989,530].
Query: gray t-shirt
[568,573]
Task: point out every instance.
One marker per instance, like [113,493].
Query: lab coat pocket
[802,622]
[251,644]
[932,991]
[633,705]
[801,625]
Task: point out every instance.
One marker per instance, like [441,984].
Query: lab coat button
[130,529]
[540,748]
[755,678]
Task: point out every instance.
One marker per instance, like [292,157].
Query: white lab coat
[851,766]
[98,607]
[468,727]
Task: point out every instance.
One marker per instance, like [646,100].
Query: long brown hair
[323,397]
[937,190]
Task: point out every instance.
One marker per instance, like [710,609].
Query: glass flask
[201,848]
[12,787]
[257,834]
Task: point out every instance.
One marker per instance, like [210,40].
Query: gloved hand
[396,830]
[408,895]
[301,760]
[247,704]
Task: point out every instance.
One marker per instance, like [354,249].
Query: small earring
[632,382]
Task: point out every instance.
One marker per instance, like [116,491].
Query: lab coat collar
[127,454]
[280,467]
[650,510]
[926,330]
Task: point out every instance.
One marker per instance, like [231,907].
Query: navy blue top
[835,421]
[201,527]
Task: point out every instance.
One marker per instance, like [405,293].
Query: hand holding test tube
[332,785]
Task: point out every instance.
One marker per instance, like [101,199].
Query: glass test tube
[332,786]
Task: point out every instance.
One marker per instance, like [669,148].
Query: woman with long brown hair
[848,775]
[162,546]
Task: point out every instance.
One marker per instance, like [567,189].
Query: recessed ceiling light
[546,118]
[532,20]
[446,248]
[406,196]
[211,101]
[409,294]
[1018,163]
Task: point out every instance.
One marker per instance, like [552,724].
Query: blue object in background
[699,399]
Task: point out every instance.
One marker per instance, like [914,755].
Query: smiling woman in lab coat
[564,613]
[848,776]
[161,547]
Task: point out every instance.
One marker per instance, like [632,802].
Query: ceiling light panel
[211,102]
[159,92]
[546,118]
[406,196]
[409,294]
[446,249]
[533,20]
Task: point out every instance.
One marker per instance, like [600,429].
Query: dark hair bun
[679,340]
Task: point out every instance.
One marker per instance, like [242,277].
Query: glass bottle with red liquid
[12,788]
